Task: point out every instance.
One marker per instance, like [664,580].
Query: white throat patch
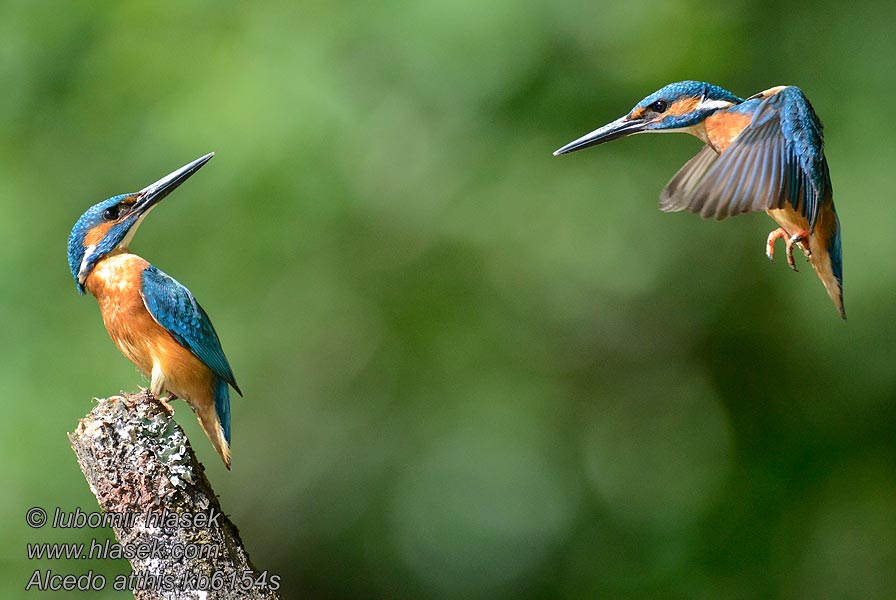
[82,270]
[714,104]
[124,243]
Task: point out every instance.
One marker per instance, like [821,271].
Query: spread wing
[174,308]
[778,159]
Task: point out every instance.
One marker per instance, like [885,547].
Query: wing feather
[676,195]
[776,160]
[174,308]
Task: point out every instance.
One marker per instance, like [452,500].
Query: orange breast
[789,219]
[116,281]
[722,127]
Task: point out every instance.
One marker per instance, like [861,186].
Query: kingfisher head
[675,107]
[108,227]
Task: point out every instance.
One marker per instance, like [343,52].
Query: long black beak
[621,127]
[155,192]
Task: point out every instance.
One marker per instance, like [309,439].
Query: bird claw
[798,239]
[164,402]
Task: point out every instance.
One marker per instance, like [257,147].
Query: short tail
[215,420]
[834,288]
[828,264]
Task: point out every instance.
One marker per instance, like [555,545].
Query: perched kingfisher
[154,320]
[762,153]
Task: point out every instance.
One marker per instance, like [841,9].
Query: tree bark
[148,482]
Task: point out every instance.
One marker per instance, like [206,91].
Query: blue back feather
[174,308]
[802,129]
[222,406]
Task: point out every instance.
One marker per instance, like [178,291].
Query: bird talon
[798,239]
[770,243]
[164,402]
[790,262]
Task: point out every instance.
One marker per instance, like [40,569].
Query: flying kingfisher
[154,320]
[762,153]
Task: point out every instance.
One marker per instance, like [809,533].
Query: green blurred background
[471,369]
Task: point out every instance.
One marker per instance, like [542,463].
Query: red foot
[164,402]
[800,238]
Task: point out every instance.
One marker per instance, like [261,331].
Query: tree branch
[155,495]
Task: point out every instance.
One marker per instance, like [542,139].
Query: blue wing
[174,308]
[778,159]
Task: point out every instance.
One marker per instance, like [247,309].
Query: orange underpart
[723,127]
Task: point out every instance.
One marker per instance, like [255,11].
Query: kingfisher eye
[659,106]
[111,213]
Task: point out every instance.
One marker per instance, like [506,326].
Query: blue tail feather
[222,406]
[836,253]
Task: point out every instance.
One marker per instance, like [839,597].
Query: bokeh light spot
[659,449]
[482,507]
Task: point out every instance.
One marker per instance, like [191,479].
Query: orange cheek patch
[683,106]
[95,235]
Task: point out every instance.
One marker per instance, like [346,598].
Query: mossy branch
[146,478]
